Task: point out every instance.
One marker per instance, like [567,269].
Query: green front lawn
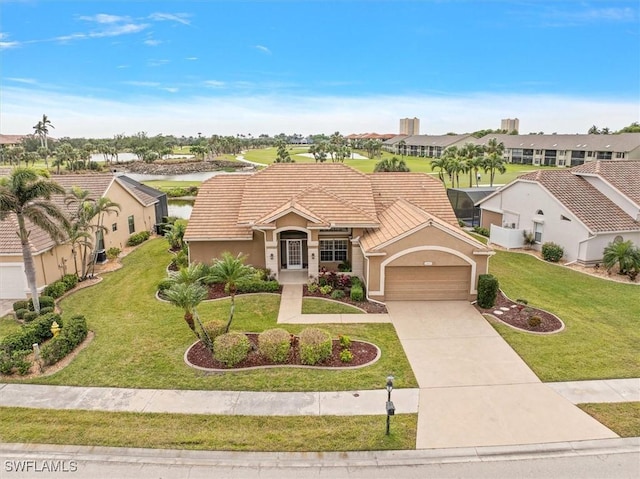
[8,325]
[139,341]
[207,432]
[622,418]
[602,318]
[324,306]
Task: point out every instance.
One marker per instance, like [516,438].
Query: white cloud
[262,48]
[79,115]
[152,43]
[191,59]
[214,84]
[105,18]
[142,83]
[157,63]
[29,81]
[6,45]
[171,89]
[172,17]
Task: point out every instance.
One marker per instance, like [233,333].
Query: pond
[180,208]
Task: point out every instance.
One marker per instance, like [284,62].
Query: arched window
[618,239]
[540,212]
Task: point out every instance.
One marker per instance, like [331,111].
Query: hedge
[38,331]
[138,238]
[71,335]
[257,286]
[487,290]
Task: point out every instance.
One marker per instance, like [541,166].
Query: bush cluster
[337,294]
[138,238]
[534,321]
[275,344]
[113,252]
[487,290]
[552,252]
[72,334]
[177,192]
[258,286]
[357,292]
[481,231]
[231,348]
[214,328]
[58,288]
[315,345]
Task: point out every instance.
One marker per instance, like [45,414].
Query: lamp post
[391,410]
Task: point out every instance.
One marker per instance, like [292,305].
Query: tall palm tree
[230,270]
[42,130]
[441,165]
[492,163]
[493,146]
[101,207]
[472,156]
[28,195]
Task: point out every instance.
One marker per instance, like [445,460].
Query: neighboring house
[582,209]
[11,140]
[397,230]
[52,261]
[426,146]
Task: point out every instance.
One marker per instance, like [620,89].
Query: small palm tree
[28,195]
[624,254]
[230,270]
[187,296]
[389,165]
[192,274]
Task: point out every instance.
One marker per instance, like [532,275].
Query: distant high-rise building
[510,124]
[409,126]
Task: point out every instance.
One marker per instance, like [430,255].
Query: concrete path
[242,403]
[474,389]
[605,390]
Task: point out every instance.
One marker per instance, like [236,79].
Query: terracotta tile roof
[10,242]
[587,203]
[228,206]
[269,188]
[623,175]
[215,212]
[422,190]
[11,139]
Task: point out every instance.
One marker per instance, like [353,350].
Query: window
[537,232]
[114,227]
[333,250]
[132,225]
[619,154]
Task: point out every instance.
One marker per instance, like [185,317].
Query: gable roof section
[270,188]
[597,212]
[422,190]
[143,193]
[622,175]
[215,212]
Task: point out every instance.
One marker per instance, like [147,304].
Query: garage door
[13,282]
[421,283]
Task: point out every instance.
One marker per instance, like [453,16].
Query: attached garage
[13,282]
[427,283]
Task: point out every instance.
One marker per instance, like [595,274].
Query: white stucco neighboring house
[582,209]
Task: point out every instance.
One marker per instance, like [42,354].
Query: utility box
[391,409]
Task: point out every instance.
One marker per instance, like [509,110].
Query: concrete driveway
[474,389]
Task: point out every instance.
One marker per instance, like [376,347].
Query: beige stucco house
[582,209]
[138,213]
[397,230]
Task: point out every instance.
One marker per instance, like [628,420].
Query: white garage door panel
[13,282]
[427,283]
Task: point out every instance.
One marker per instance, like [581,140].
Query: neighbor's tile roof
[589,205]
[622,142]
[422,190]
[10,241]
[228,206]
[624,175]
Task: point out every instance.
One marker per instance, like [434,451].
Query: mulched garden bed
[517,315]
[369,306]
[363,353]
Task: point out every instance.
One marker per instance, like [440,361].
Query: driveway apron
[474,389]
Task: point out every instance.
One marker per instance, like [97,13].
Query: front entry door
[294,254]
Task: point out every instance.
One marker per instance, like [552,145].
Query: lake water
[180,208]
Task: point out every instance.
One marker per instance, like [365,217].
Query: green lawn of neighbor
[325,306]
[602,318]
[207,432]
[166,184]
[622,418]
[140,341]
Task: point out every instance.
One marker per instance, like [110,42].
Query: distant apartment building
[409,126]
[510,124]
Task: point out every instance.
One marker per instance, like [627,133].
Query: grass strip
[207,432]
[622,418]
[323,306]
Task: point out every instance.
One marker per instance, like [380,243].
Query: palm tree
[389,165]
[493,146]
[187,296]
[230,270]
[624,254]
[194,273]
[402,148]
[42,130]
[493,163]
[28,195]
[441,165]
[471,155]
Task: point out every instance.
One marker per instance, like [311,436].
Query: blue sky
[98,68]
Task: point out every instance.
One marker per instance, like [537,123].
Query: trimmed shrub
[72,334]
[22,304]
[55,289]
[29,316]
[231,348]
[46,302]
[214,328]
[357,293]
[70,280]
[326,289]
[19,359]
[113,252]
[274,344]
[312,287]
[487,290]
[345,341]
[552,252]
[21,312]
[258,286]
[346,356]
[534,321]
[337,294]
[315,345]
[46,310]
[138,238]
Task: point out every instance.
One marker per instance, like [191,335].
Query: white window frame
[330,253]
